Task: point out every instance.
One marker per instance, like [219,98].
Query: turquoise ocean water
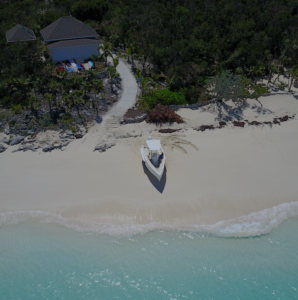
[49,261]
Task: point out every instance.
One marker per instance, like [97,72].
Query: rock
[238,124]
[275,121]
[69,132]
[27,147]
[5,140]
[222,123]
[61,115]
[48,149]
[103,145]
[16,140]
[2,148]
[78,136]
[57,145]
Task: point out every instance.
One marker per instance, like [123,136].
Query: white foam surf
[254,224]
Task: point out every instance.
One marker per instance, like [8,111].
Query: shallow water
[48,261]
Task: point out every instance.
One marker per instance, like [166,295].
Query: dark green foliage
[226,86]
[67,118]
[90,10]
[193,40]
[163,97]
[17,109]
[188,41]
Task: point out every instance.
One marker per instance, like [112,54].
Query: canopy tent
[154,145]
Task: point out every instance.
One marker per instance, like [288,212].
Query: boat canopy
[153,145]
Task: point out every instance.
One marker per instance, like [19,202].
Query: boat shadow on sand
[159,185]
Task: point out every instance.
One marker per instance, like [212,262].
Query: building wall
[77,52]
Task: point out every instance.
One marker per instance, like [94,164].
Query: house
[70,38]
[20,33]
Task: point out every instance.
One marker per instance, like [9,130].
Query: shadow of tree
[228,113]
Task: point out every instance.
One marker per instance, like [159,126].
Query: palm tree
[146,85]
[89,75]
[50,98]
[86,85]
[106,49]
[280,71]
[272,70]
[76,82]
[131,53]
[293,75]
[97,86]
[115,61]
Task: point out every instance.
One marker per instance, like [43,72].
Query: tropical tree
[96,86]
[147,84]
[293,76]
[106,51]
[280,71]
[115,61]
[226,86]
[49,98]
[112,72]
[86,85]
[131,53]
[272,69]
[76,99]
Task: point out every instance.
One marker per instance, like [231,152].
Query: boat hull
[154,171]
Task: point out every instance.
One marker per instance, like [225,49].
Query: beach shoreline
[211,176]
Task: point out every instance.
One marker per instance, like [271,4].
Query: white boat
[151,157]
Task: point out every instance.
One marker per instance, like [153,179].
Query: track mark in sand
[177,142]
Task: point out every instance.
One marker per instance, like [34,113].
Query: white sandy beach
[211,176]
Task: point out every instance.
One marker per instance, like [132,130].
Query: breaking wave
[254,224]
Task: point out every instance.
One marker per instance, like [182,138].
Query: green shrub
[164,97]
[17,109]
[282,86]
[67,118]
[2,116]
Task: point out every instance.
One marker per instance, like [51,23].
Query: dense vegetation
[185,41]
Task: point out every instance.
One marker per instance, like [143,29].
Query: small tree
[112,72]
[293,75]
[106,50]
[226,86]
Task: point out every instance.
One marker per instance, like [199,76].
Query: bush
[164,97]
[226,86]
[67,118]
[162,114]
[12,123]
[90,10]
[17,109]
[2,116]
